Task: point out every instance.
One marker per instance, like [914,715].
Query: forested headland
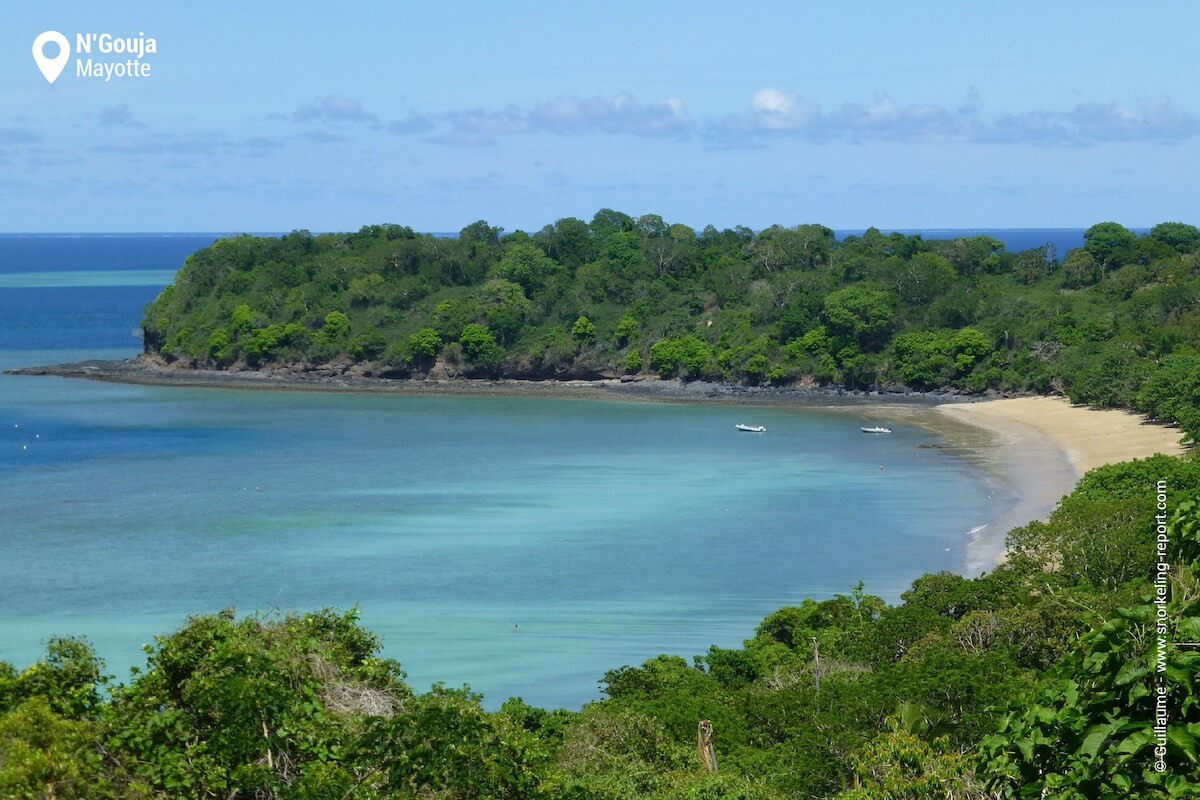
[1114,323]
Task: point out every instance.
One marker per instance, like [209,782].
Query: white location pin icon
[51,67]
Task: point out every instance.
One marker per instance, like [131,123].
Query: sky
[278,116]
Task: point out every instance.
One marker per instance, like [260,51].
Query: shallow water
[608,531]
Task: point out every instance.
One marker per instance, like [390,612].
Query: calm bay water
[608,531]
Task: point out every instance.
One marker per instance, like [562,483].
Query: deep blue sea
[608,531]
[1015,240]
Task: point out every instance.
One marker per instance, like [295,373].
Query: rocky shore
[351,378]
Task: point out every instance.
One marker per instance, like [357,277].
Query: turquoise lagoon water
[608,531]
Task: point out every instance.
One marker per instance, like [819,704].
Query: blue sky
[275,116]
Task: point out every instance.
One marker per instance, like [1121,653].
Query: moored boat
[877,429]
[751,428]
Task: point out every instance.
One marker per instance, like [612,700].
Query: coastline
[1027,473]
[1091,437]
[1035,449]
[1039,448]
[142,371]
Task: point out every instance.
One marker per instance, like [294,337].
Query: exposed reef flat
[154,372]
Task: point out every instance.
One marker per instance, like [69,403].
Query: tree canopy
[1112,324]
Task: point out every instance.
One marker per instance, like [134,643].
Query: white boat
[752,428]
[877,429]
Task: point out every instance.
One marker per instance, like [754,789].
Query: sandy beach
[1033,449]
[1039,447]
[1090,437]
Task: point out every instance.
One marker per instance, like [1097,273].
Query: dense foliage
[1114,323]
[1038,679]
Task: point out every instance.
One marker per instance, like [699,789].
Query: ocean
[523,546]
[1015,240]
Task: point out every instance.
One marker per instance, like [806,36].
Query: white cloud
[489,124]
[888,120]
[335,108]
[618,114]
[1157,120]
[772,111]
[776,113]
[777,110]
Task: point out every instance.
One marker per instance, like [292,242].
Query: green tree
[269,343]
[367,289]
[969,346]
[972,256]
[633,361]
[756,367]
[1110,244]
[1088,730]
[473,253]
[45,755]
[923,358]
[568,242]
[1080,269]
[480,233]
[480,346]
[267,706]
[425,345]
[525,264]
[1179,236]
[505,308]
[616,752]
[627,328]
[336,327]
[70,678]
[607,223]
[583,330]
[687,356]
[1171,393]
[449,318]
[220,348]
[922,278]
[862,315]
[368,345]
[1105,375]
[242,319]
[900,766]
[442,744]
[622,254]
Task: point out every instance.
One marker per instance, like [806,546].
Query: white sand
[1090,437]
[1040,447]
[1035,449]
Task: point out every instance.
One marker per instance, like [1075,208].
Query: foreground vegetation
[1114,323]
[1036,680]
